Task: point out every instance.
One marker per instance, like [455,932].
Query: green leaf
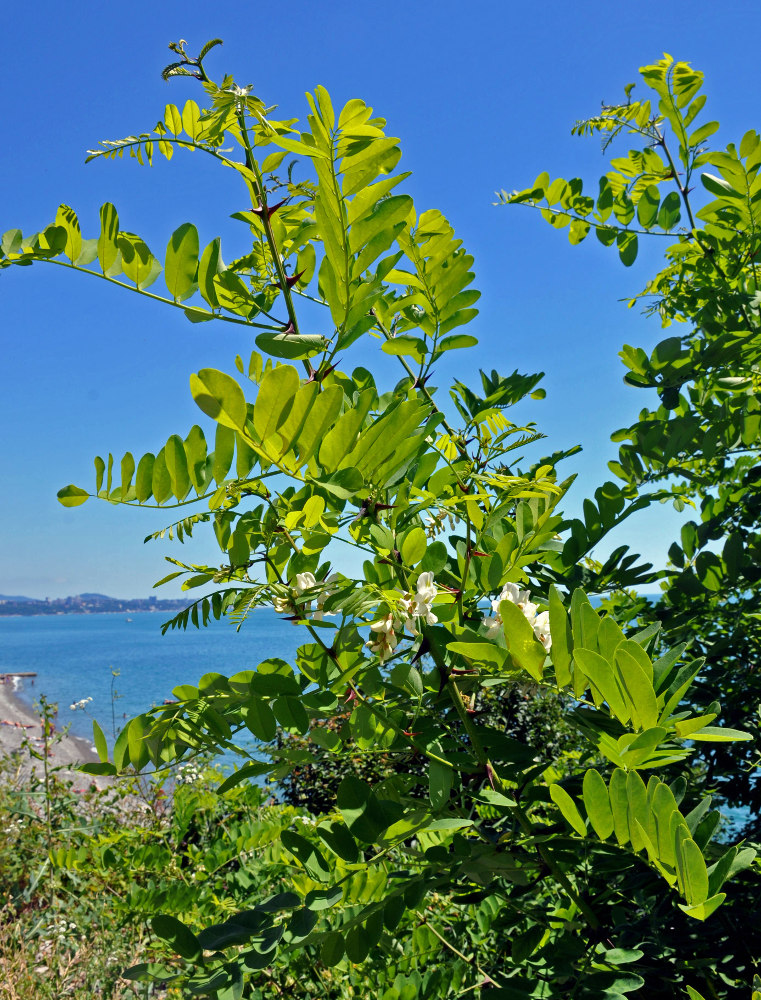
[628,245]
[597,804]
[413,546]
[177,466]
[568,808]
[719,734]
[619,805]
[693,872]
[456,342]
[295,347]
[699,136]
[181,938]
[332,949]
[12,241]
[127,471]
[693,993]
[639,809]
[357,944]
[233,294]
[181,264]
[144,478]
[600,673]
[562,639]
[72,496]
[138,263]
[99,739]
[366,816]
[478,652]
[66,218]
[291,714]
[173,119]
[220,397]
[643,706]
[648,205]
[435,558]
[274,400]
[702,911]
[335,835]
[209,267]
[439,784]
[322,417]
[307,854]
[191,115]
[344,483]
[525,649]
[670,211]
[260,720]
[407,346]
[108,251]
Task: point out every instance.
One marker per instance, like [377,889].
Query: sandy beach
[19,723]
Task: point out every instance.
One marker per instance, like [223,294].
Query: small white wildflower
[76,705]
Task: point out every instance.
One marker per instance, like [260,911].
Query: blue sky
[482,95]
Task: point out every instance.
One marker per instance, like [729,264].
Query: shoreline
[19,722]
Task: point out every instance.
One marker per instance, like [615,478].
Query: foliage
[701,444]
[562,852]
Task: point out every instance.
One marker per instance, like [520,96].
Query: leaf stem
[152,295]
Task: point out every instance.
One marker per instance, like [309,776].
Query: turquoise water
[74,655]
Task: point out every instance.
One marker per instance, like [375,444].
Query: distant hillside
[85,604]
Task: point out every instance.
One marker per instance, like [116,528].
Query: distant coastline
[84,604]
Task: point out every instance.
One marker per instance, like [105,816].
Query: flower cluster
[521,598]
[410,609]
[188,775]
[79,704]
[436,521]
[306,582]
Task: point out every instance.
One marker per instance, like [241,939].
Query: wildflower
[79,704]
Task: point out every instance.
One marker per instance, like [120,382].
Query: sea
[123,662]
[125,665]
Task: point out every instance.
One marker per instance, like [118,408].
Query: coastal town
[84,604]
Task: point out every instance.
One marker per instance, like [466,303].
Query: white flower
[419,605]
[541,626]
[383,624]
[79,704]
[304,581]
[426,588]
[521,599]
[384,643]
[328,589]
[510,592]
[281,604]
